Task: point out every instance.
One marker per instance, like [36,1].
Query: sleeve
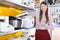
[37,22]
[51,23]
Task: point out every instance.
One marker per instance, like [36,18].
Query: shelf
[23,14]
[10,4]
[1,33]
[9,11]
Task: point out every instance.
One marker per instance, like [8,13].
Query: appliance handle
[22,24]
[1,20]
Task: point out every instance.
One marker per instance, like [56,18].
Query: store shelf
[3,33]
[4,11]
[10,4]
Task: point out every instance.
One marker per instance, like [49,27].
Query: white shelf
[21,6]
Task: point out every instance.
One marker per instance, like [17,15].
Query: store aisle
[56,33]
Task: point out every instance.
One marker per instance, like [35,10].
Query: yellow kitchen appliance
[5,11]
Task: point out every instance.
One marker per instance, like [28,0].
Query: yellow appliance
[5,11]
[7,36]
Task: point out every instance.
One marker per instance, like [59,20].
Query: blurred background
[18,18]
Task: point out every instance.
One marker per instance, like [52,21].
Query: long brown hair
[46,13]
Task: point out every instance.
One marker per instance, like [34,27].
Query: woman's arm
[51,25]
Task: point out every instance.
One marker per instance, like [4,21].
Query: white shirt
[49,25]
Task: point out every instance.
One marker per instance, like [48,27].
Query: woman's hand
[41,24]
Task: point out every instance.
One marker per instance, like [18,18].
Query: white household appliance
[28,3]
[27,20]
[4,24]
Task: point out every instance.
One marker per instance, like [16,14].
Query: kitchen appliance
[25,2]
[4,24]
[28,21]
[25,21]
[6,29]
[17,23]
[29,3]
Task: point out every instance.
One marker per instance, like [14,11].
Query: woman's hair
[46,13]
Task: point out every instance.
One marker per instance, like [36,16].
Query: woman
[44,23]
